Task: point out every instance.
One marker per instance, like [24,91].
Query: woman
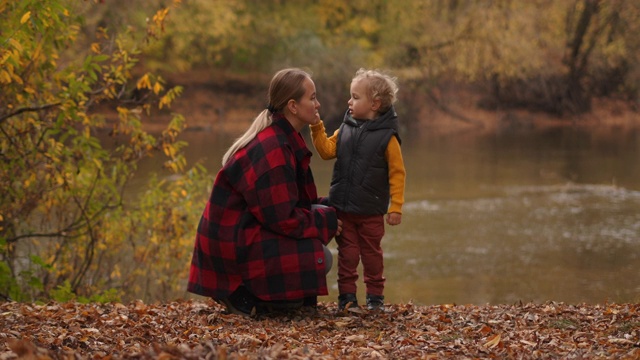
[260,241]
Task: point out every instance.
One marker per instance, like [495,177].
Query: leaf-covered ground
[201,330]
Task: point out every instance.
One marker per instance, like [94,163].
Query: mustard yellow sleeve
[397,175]
[325,146]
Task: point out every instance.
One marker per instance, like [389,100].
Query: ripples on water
[573,243]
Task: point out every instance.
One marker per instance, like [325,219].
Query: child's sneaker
[375,302]
[347,301]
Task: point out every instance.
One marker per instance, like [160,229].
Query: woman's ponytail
[259,123]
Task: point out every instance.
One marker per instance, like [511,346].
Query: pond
[503,218]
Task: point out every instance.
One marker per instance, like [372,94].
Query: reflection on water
[505,218]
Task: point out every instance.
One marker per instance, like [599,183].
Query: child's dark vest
[360,182]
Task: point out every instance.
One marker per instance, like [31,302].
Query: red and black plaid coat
[258,227]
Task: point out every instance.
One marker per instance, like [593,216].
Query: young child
[367,183]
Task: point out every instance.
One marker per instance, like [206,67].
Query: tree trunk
[575,98]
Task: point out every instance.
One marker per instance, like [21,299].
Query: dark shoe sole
[347,301]
[375,302]
[230,309]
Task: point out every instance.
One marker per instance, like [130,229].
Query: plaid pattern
[258,228]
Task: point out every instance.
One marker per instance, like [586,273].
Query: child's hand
[394,218]
[317,119]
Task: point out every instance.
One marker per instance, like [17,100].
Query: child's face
[360,106]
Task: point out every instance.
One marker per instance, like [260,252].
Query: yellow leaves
[29,180]
[169,150]
[95,48]
[160,16]
[4,56]
[157,88]
[122,111]
[5,77]
[25,17]
[165,101]
[157,22]
[176,164]
[11,58]
[170,96]
[16,45]
[59,178]
[16,78]
[144,82]
[150,82]
[102,33]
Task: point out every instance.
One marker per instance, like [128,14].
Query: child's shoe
[375,302]
[347,301]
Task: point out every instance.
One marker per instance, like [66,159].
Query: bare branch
[27,109]
[62,234]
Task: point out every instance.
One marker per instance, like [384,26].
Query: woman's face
[305,110]
[360,106]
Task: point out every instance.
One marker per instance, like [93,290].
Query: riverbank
[197,329]
[464,115]
[228,103]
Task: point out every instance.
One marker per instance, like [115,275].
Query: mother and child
[261,243]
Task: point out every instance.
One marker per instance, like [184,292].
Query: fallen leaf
[493,341]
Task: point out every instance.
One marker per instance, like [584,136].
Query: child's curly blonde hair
[379,86]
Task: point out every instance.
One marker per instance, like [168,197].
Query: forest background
[89,89]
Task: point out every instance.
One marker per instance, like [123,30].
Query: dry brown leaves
[201,330]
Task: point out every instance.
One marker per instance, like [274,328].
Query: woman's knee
[328,259]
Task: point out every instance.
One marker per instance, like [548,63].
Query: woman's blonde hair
[379,86]
[285,85]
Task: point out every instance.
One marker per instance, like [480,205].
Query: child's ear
[375,105]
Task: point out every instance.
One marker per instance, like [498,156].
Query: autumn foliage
[201,330]
[68,227]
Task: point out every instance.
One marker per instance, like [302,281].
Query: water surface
[503,218]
